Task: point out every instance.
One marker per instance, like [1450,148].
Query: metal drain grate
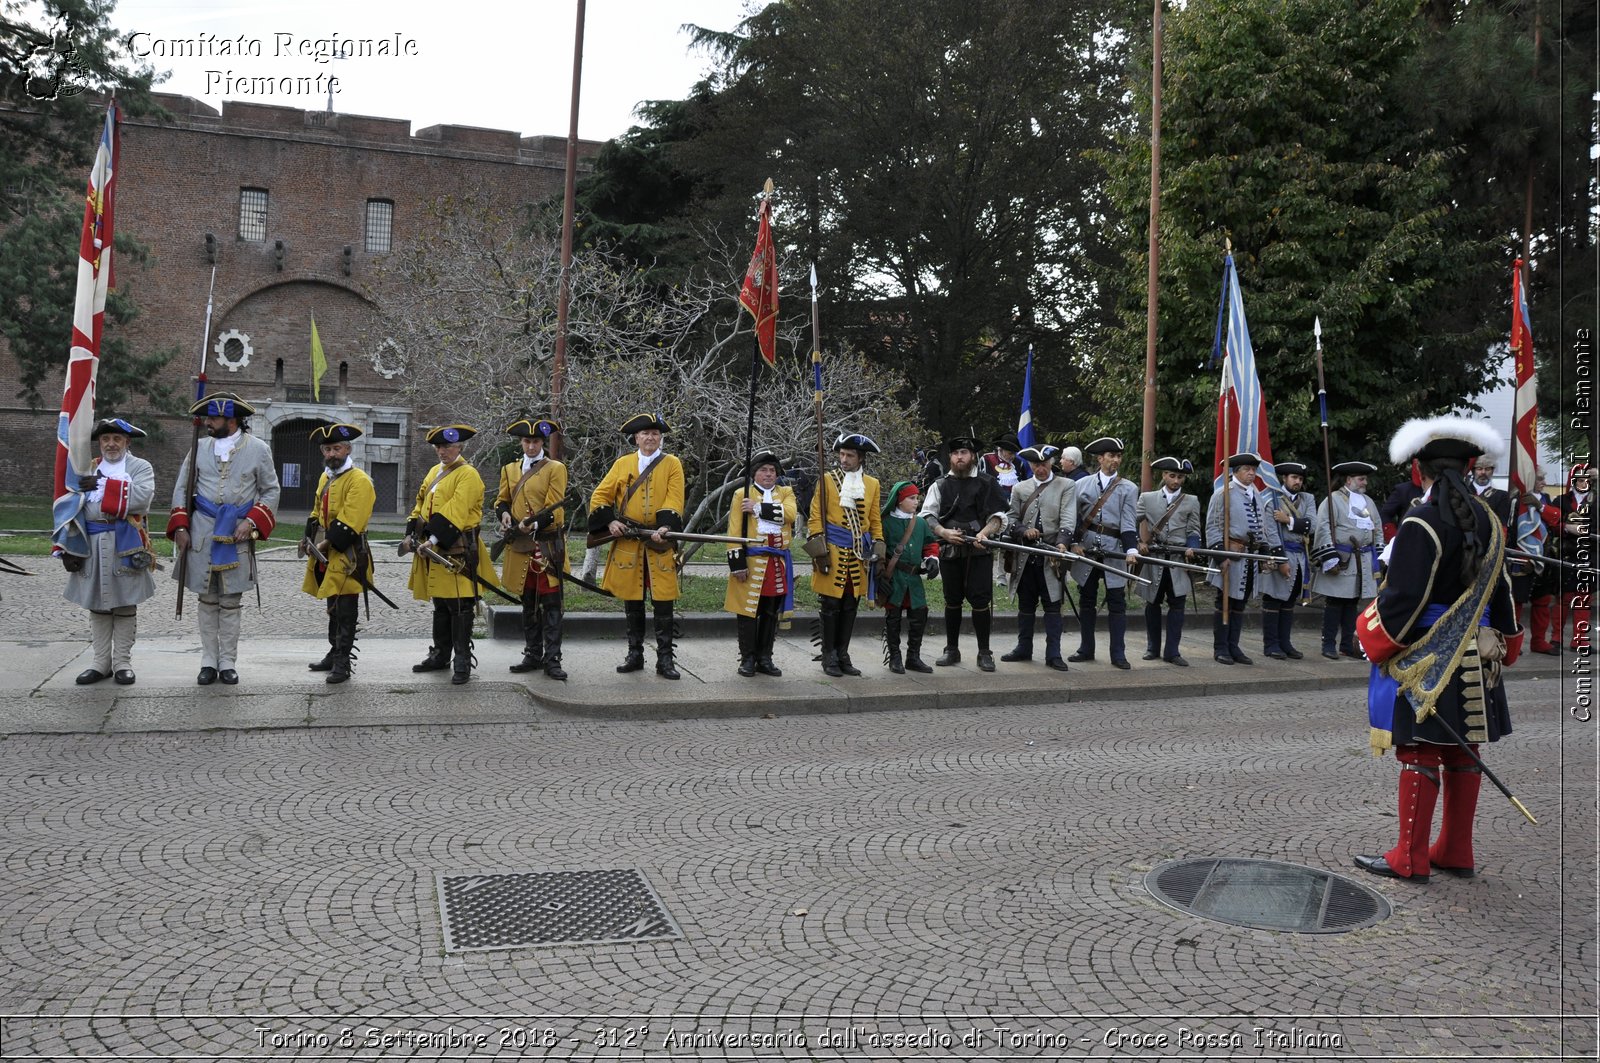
[1267,895]
[520,909]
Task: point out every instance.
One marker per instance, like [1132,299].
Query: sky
[491,63]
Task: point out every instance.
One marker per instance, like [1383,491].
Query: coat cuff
[442,530]
[1375,640]
[177,521]
[114,501]
[262,518]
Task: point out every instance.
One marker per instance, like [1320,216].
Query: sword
[461,568]
[1451,731]
[585,584]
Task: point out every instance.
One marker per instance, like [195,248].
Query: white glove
[1133,555]
[433,540]
[1330,564]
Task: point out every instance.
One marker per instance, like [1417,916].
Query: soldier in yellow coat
[338,528]
[534,524]
[445,520]
[642,490]
[846,511]
[761,578]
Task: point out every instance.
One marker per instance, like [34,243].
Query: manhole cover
[518,909]
[1267,895]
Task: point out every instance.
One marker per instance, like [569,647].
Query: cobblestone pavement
[896,885]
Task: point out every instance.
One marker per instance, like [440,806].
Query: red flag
[1525,407]
[73,456]
[760,292]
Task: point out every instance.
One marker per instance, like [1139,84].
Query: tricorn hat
[1043,452]
[857,442]
[1444,437]
[642,422]
[115,424]
[544,428]
[1171,464]
[1354,468]
[1289,468]
[1243,458]
[766,457]
[221,404]
[451,434]
[1105,445]
[334,433]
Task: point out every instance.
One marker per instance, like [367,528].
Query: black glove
[88,483]
[930,567]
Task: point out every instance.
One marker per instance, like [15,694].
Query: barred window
[385,429]
[253,214]
[380,225]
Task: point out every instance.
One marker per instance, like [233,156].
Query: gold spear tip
[766,189]
[1524,810]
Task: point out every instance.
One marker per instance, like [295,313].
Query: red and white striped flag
[1525,407]
[1242,405]
[73,456]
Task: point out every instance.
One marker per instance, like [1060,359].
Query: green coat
[922,543]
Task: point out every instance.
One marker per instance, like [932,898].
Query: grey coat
[1266,541]
[107,581]
[1296,537]
[1338,536]
[1180,532]
[247,478]
[1055,516]
[1116,529]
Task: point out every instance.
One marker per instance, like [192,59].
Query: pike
[1054,555]
[194,443]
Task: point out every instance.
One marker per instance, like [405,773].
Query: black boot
[664,662]
[347,611]
[1024,647]
[1330,629]
[1347,629]
[438,658]
[1117,625]
[847,627]
[981,619]
[828,617]
[1173,653]
[1052,642]
[747,646]
[1219,637]
[633,612]
[914,632]
[461,642]
[1152,632]
[767,635]
[891,641]
[532,635]
[1285,629]
[1236,632]
[1269,629]
[952,638]
[326,664]
[1087,618]
[553,612]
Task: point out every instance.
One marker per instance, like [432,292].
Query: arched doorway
[299,461]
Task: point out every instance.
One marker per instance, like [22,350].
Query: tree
[54,72]
[1290,129]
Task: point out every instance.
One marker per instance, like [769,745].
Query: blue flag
[1025,421]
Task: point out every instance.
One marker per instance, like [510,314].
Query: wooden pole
[1148,441]
[558,366]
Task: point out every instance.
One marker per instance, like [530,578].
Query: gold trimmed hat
[334,433]
[451,434]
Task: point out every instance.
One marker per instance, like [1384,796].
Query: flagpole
[1225,577]
[182,559]
[755,369]
[1152,284]
[816,374]
[1322,408]
[558,361]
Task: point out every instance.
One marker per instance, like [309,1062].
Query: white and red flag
[1525,406]
[73,452]
[1242,406]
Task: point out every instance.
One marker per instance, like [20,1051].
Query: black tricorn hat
[1043,452]
[1243,458]
[856,441]
[335,433]
[641,422]
[1105,445]
[543,427]
[450,434]
[115,424]
[1290,468]
[1171,464]
[1354,468]
[221,404]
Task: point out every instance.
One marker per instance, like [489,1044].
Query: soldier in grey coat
[1346,549]
[214,535]
[1043,512]
[1169,524]
[1250,530]
[115,577]
[1108,531]
[1295,513]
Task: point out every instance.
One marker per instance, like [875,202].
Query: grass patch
[25,512]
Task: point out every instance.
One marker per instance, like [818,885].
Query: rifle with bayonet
[521,529]
[1054,555]
[1543,559]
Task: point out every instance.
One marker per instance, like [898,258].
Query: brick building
[294,208]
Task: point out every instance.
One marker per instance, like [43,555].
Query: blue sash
[128,540]
[840,536]
[788,571]
[223,555]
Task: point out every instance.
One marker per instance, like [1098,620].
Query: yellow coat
[745,594]
[348,500]
[547,486]
[658,502]
[843,563]
[457,496]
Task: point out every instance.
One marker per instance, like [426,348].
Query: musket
[194,443]
[678,537]
[1054,555]
[1543,560]
[1240,555]
[515,532]
[466,569]
[1204,570]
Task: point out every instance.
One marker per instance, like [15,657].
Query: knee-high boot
[828,618]
[1052,641]
[1452,852]
[1117,628]
[767,635]
[1419,790]
[952,637]
[1271,610]
[1347,629]
[847,627]
[1219,636]
[1174,650]
[438,657]
[326,664]
[1024,648]
[1539,627]
[347,615]
[1152,632]
[891,641]
[633,613]
[461,641]
[1285,630]
[553,610]
[1330,630]
[747,646]
[914,630]
[665,665]
[532,635]
[1236,632]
